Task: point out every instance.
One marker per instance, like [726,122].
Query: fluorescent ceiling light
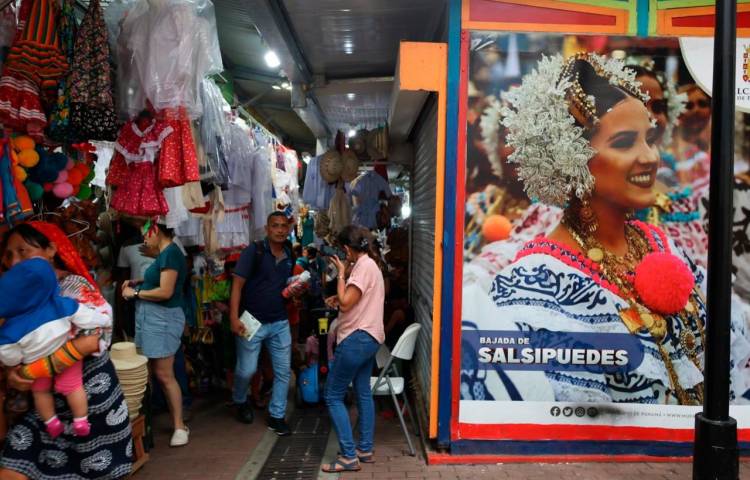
[351,96]
[352,132]
[272,60]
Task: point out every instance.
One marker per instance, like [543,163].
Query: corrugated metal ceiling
[360,38]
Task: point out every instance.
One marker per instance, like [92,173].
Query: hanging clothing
[91,99]
[241,158]
[317,192]
[340,211]
[233,233]
[16,204]
[172,47]
[178,161]
[32,69]
[308,230]
[38,55]
[132,170]
[177,212]
[59,120]
[262,192]
[366,193]
[213,130]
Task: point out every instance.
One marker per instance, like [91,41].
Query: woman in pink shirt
[360,299]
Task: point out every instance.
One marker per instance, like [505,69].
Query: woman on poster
[584,141]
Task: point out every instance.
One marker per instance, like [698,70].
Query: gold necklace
[619,270]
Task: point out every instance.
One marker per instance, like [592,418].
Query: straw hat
[377,143]
[358,143]
[331,166]
[351,166]
[125,357]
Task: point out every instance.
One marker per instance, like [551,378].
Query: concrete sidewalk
[222,449]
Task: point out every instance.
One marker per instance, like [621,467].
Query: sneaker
[180,437]
[279,426]
[245,412]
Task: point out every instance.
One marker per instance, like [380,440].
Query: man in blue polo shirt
[259,278]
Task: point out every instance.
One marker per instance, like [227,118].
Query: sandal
[365,457]
[341,466]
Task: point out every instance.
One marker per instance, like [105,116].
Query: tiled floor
[222,449]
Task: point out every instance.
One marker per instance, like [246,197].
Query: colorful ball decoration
[20,173]
[496,228]
[84,193]
[28,158]
[663,282]
[35,190]
[62,190]
[23,142]
[74,176]
[62,177]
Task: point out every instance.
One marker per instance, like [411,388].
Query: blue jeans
[278,340]
[352,363]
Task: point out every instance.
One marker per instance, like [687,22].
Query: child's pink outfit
[65,383]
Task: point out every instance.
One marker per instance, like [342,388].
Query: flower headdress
[675,108]
[675,101]
[549,147]
[489,126]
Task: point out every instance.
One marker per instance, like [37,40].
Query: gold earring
[587,217]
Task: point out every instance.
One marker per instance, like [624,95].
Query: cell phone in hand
[329,251]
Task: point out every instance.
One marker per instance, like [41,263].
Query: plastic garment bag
[169,46]
[213,130]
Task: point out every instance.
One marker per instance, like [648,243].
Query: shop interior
[288,106]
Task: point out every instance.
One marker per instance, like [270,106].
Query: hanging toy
[82,169]
[26,157]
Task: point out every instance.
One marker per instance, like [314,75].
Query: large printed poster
[585,245]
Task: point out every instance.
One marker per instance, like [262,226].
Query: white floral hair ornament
[550,149]
[489,126]
[675,108]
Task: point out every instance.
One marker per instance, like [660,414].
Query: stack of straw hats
[133,374]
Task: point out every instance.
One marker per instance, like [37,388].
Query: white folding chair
[388,382]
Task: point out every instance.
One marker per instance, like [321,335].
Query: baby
[37,322]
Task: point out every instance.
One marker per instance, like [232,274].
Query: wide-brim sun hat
[351,166]
[125,357]
[358,143]
[331,166]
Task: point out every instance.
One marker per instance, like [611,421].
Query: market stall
[104,131]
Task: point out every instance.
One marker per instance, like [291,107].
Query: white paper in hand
[252,325]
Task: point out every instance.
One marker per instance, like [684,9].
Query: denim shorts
[158,329]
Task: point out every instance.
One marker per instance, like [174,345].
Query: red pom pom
[663,282]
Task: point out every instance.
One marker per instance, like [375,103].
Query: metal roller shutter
[422,246]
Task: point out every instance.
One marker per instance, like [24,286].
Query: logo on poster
[743,88]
